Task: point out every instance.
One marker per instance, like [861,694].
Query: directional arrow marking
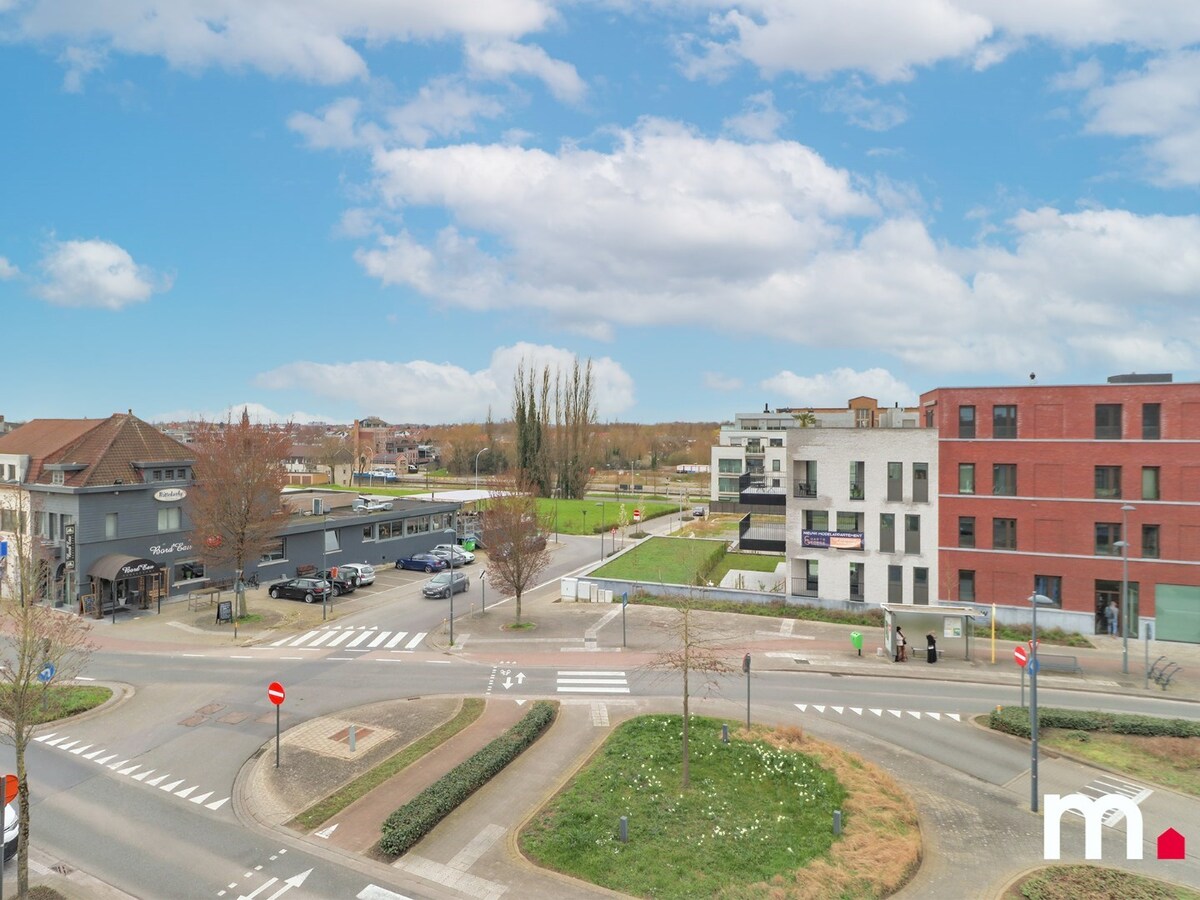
[520,678]
[506,683]
[326,832]
[258,890]
[288,884]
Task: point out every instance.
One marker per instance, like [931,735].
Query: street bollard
[837,822]
[352,738]
[725,733]
[624,829]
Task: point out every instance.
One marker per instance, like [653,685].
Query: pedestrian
[901,646]
[930,648]
[1110,614]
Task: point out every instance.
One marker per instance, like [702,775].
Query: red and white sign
[275,692]
[614,531]
[10,789]
[1020,655]
[637,515]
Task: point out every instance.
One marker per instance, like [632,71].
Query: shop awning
[119,566]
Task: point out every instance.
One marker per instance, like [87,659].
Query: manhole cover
[210,709]
[233,718]
[193,721]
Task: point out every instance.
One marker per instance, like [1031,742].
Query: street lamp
[324,546]
[602,520]
[1034,600]
[477,455]
[1123,543]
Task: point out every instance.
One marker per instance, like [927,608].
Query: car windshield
[440,579]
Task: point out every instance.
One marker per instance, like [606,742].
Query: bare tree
[333,451]
[555,416]
[235,508]
[516,539]
[41,646]
[690,651]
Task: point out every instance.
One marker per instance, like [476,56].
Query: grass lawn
[572,519]
[70,700]
[1095,883]
[1173,762]
[664,560]
[758,812]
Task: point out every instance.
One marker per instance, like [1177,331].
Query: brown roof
[107,448]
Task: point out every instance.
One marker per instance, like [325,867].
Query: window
[156,475]
[12,520]
[110,526]
[273,551]
[776,442]
[1049,586]
[368,533]
[921,586]
[1149,483]
[895,584]
[858,474]
[1108,481]
[966,421]
[1108,421]
[912,534]
[811,580]
[920,482]
[930,417]
[887,532]
[187,571]
[169,519]
[415,525]
[384,530]
[849,521]
[1150,541]
[332,543]
[729,466]
[1004,479]
[1107,536]
[966,585]
[58,478]
[806,478]
[1151,421]
[966,478]
[1004,422]
[966,531]
[728,485]
[816,520]
[856,581]
[895,481]
[774,465]
[1004,534]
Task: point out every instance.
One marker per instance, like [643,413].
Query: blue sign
[1033,666]
[46,673]
[624,599]
[3,548]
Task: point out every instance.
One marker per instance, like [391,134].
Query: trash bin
[930,648]
[469,546]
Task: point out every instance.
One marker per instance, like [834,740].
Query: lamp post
[477,455]
[1124,544]
[450,586]
[1034,600]
[584,521]
[602,520]
[329,581]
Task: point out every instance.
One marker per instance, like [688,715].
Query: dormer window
[57,478]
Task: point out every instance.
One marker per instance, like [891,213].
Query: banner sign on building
[69,545]
[834,540]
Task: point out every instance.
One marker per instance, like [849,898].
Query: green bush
[711,560]
[1015,720]
[419,816]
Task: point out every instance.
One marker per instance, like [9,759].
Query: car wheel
[428,569]
[308,598]
[337,591]
[274,594]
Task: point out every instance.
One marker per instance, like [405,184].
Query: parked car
[364,572]
[532,542]
[441,584]
[12,831]
[422,562]
[472,537]
[698,512]
[306,589]
[365,504]
[461,557]
[343,582]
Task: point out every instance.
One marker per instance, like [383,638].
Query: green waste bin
[856,639]
[468,545]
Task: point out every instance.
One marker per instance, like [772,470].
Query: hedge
[1015,720]
[711,561]
[421,814]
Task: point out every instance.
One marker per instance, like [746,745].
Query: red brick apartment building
[1040,484]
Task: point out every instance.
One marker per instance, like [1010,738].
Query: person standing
[1111,614]
[901,646]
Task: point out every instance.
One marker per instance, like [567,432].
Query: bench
[1057,662]
[305,571]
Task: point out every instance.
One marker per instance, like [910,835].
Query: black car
[306,589]
[343,582]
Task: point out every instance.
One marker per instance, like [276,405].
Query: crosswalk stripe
[594,690]
[415,641]
[358,640]
[600,674]
[340,639]
[322,637]
[400,635]
[592,681]
[379,639]
[300,640]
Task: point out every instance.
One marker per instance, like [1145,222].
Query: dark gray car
[439,584]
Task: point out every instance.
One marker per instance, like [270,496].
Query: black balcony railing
[805,489]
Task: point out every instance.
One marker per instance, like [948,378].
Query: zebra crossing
[133,770]
[353,639]
[878,712]
[591,682]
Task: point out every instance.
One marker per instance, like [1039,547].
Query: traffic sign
[46,672]
[275,692]
[637,515]
[10,789]
[614,531]
[1020,655]
[1033,666]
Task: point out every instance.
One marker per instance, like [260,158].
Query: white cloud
[1159,103]
[307,39]
[80,62]
[837,387]
[95,273]
[759,119]
[335,128]
[7,269]
[443,108]
[871,113]
[423,391]
[501,58]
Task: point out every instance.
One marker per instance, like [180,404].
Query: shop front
[120,581]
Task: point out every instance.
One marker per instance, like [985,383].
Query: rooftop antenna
[1033,376]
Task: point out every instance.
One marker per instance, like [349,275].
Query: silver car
[446,551]
[364,572]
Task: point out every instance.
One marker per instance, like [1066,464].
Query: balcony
[804,489]
[856,491]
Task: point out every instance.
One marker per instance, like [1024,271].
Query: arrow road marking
[258,890]
[326,832]
[507,683]
[294,881]
[520,678]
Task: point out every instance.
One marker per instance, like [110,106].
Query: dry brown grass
[880,849]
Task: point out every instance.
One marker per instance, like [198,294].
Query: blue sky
[332,210]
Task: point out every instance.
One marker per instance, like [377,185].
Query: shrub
[419,816]
[1015,720]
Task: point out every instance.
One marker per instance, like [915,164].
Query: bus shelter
[949,625]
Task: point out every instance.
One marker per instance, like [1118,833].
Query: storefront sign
[170,495]
[834,540]
[137,567]
[69,542]
[166,549]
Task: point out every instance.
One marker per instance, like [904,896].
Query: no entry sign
[1020,655]
[275,692]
